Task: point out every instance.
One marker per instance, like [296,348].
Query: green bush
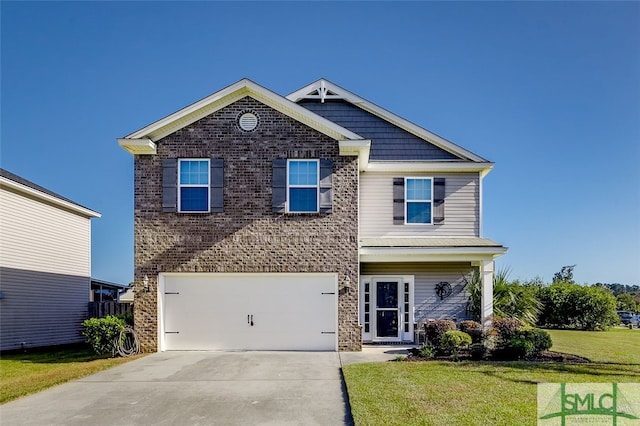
[453,341]
[524,343]
[436,329]
[506,328]
[473,329]
[568,305]
[127,318]
[101,333]
[426,351]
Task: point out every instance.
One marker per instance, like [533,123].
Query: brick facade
[247,236]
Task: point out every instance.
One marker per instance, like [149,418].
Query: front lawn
[26,373]
[481,393]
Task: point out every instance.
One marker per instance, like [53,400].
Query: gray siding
[427,304]
[461,206]
[41,309]
[388,142]
[46,268]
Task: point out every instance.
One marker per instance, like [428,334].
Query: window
[193,185]
[302,186]
[418,200]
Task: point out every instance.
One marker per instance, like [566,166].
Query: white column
[486,299]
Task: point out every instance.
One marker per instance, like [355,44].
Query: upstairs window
[193,185]
[302,186]
[418,200]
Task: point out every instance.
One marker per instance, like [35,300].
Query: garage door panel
[259,312]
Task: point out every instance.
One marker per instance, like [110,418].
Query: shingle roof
[22,181]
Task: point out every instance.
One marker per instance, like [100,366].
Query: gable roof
[323,89]
[143,141]
[24,186]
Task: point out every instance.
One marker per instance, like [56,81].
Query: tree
[510,298]
[565,275]
[626,302]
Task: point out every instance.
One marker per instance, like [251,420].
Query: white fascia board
[361,148]
[227,96]
[462,254]
[429,166]
[142,146]
[47,198]
[385,115]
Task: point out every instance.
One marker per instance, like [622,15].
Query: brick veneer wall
[247,237]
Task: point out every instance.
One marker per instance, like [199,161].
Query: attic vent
[248,121]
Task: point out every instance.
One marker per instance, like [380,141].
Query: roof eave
[75,208]
[243,88]
[430,166]
[430,254]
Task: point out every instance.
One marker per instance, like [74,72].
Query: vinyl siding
[461,207]
[45,272]
[427,304]
[388,142]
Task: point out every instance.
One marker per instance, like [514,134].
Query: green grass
[482,393]
[26,373]
[618,345]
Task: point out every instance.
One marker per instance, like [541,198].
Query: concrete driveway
[196,388]
[202,388]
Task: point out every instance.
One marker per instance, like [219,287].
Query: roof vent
[248,121]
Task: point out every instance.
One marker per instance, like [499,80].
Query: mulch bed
[546,356]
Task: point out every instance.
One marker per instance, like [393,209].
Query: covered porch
[409,281]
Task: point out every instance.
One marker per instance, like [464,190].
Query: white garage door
[248,311]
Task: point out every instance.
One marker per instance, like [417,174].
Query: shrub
[101,333]
[506,328]
[426,351]
[453,341]
[473,329]
[526,343]
[470,325]
[568,305]
[127,318]
[436,329]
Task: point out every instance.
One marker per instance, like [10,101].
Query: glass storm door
[387,310]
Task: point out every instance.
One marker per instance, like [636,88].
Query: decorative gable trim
[323,89]
[147,136]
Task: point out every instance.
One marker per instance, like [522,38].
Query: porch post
[486,299]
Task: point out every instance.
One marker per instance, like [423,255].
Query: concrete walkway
[202,388]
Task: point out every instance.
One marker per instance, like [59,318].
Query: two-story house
[315,221]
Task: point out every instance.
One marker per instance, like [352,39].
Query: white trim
[361,148]
[142,146]
[218,100]
[316,186]
[385,115]
[407,201]
[430,254]
[429,167]
[48,198]
[370,336]
[180,186]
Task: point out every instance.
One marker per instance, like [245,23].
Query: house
[315,221]
[45,265]
[105,291]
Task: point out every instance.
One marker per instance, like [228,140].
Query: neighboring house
[316,221]
[45,265]
[105,291]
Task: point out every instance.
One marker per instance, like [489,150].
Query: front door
[387,311]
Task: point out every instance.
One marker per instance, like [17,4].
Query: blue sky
[549,91]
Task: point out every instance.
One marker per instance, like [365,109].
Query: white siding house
[45,265]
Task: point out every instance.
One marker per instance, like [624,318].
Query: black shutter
[438,200]
[398,201]
[170,185]
[279,185]
[326,177]
[217,185]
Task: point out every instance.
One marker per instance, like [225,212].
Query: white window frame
[316,186]
[407,201]
[181,185]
